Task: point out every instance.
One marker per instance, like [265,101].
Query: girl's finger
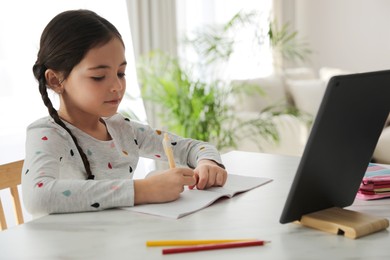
[196,178]
[219,180]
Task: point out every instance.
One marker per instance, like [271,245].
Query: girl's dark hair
[64,43]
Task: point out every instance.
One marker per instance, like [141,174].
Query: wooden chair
[10,177]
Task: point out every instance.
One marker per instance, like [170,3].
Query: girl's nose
[118,85]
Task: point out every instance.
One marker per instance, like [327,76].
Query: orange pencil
[168,151]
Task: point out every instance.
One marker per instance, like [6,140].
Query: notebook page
[193,200]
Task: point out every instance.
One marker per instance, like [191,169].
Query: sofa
[382,151]
[304,89]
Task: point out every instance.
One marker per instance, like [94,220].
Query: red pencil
[177,250]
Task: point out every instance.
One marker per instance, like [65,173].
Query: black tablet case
[344,135]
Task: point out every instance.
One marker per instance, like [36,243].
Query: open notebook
[193,200]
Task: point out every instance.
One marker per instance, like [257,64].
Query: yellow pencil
[168,151]
[193,242]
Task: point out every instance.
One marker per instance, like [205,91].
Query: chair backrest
[10,177]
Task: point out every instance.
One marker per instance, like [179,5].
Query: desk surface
[119,234]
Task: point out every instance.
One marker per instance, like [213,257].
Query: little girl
[83,156]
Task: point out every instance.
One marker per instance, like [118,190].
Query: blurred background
[253,71]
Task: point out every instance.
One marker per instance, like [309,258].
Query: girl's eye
[98,78]
[121,75]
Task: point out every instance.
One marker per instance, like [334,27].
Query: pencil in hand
[168,151]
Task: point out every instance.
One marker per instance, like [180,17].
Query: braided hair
[64,42]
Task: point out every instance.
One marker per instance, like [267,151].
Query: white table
[119,234]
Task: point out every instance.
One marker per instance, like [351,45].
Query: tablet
[344,135]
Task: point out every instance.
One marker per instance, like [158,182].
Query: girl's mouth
[113,102]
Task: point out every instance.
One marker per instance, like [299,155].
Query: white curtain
[284,12]
[153,26]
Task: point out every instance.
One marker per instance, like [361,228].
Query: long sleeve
[54,178]
[186,151]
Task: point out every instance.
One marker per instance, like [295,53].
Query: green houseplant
[194,100]
[285,44]
[193,108]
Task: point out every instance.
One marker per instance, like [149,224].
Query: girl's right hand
[163,187]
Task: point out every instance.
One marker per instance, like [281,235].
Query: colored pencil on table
[177,250]
[193,242]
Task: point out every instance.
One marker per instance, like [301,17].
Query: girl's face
[95,86]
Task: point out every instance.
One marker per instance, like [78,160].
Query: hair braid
[64,43]
[40,72]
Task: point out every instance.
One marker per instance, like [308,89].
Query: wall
[348,34]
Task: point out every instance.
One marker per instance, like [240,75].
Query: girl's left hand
[209,174]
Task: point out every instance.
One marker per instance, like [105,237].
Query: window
[247,61]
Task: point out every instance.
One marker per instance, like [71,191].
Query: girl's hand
[163,187]
[209,174]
